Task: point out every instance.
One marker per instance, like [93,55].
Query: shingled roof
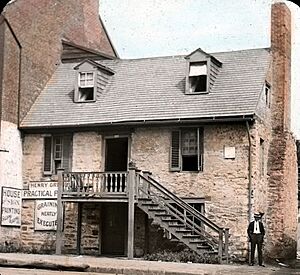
[153,89]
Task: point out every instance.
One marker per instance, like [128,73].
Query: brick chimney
[281,216]
[281,52]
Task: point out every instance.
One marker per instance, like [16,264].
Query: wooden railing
[134,185]
[217,237]
[94,183]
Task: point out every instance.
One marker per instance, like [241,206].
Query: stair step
[149,204]
[163,215]
[170,220]
[144,199]
[197,241]
[174,241]
[156,209]
[176,225]
[184,231]
[191,236]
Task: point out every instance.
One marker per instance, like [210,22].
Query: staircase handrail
[182,203]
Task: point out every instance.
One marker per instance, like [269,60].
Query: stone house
[192,145]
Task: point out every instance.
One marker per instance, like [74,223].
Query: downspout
[250,191]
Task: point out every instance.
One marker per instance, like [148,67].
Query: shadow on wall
[284,251]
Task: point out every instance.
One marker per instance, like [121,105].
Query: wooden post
[220,252]
[79,221]
[226,244]
[131,194]
[59,228]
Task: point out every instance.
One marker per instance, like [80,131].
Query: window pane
[89,76]
[57,148]
[198,69]
[189,142]
[89,82]
[82,76]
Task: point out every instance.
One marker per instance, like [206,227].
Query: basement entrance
[114,229]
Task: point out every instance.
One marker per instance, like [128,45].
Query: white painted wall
[11,161]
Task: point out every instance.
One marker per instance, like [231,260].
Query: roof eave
[156,122]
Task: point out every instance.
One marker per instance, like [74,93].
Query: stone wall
[221,180]
[87,152]
[86,156]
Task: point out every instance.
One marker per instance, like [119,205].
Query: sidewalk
[132,267]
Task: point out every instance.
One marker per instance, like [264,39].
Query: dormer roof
[96,65]
[200,55]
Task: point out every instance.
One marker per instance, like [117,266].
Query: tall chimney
[281,218]
[281,52]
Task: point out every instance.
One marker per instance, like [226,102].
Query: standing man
[256,232]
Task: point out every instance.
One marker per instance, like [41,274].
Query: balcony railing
[94,183]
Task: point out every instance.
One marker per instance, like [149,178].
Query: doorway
[114,229]
[116,154]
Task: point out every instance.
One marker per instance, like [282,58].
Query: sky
[148,28]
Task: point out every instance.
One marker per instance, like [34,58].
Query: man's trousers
[256,240]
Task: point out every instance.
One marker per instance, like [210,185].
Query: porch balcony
[96,186]
[140,189]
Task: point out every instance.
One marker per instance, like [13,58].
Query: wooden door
[114,229]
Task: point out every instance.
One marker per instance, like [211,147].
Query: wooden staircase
[183,222]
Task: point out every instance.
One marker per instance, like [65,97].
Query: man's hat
[258,214]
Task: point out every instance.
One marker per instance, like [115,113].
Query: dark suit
[256,239]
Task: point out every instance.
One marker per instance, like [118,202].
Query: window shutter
[47,155]
[175,151]
[200,148]
[66,159]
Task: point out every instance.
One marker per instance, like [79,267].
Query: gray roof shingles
[152,89]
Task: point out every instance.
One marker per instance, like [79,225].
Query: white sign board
[11,206]
[229,152]
[41,190]
[45,215]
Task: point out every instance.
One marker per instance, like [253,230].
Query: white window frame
[86,79]
[88,83]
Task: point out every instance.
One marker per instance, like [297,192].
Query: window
[187,150]
[198,77]
[199,206]
[262,157]
[268,94]
[56,153]
[86,87]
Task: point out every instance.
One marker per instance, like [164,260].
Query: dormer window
[86,86]
[91,79]
[198,77]
[202,70]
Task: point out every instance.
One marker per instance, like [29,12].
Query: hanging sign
[11,206]
[45,215]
